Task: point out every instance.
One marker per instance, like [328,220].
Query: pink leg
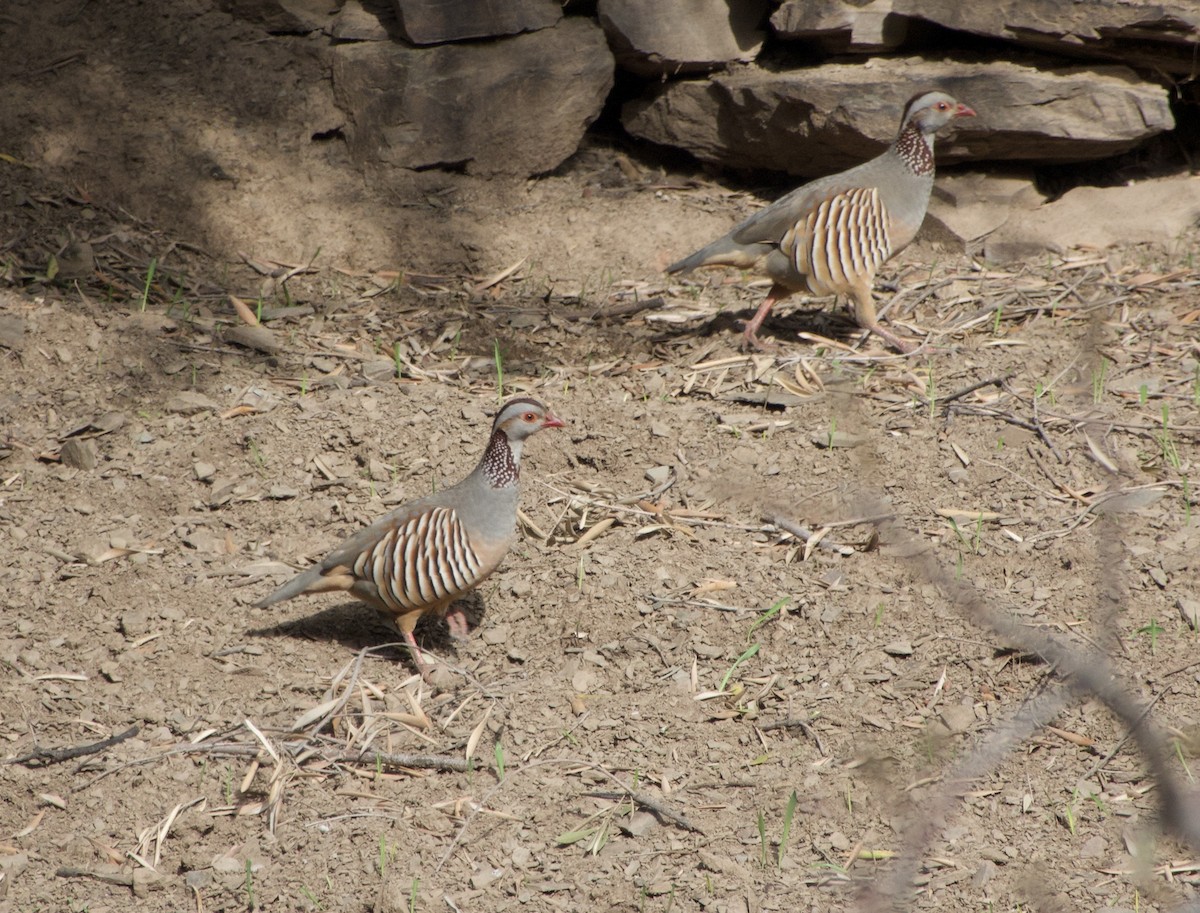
[864,313]
[750,338]
[418,658]
[406,624]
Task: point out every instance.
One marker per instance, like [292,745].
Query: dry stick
[803,726]
[589,500]
[46,756]
[336,756]
[804,534]
[117,878]
[701,604]
[946,400]
[651,805]
[295,750]
[1092,673]
[990,382]
[577,762]
[1041,430]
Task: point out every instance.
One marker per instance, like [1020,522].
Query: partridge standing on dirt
[420,558]
[831,235]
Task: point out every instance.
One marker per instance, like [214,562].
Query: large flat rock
[841,25]
[669,37]
[1158,36]
[820,120]
[1148,211]
[515,106]
[437,21]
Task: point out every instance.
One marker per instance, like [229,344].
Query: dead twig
[803,726]
[44,757]
[658,809]
[124,879]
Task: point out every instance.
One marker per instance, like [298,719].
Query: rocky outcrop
[805,87]
[1157,36]
[1098,217]
[839,26]
[516,106]
[673,37]
[438,21]
[820,120]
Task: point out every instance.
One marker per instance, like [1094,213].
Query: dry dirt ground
[787,715]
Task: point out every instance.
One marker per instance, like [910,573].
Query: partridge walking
[831,235]
[421,557]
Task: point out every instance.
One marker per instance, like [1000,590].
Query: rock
[12,865]
[198,879]
[79,454]
[1154,36]
[1093,848]
[839,26]
[965,207]
[658,475]
[354,23]
[836,439]
[260,338]
[984,873]
[520,104]
[437,21]
[147,880]
[958,717]
[12,331]
[639,824]
[103,424]
[136,622]
[669,37]
[189,402]
[282,16]
[76,260]
[1189,609]
[798,121]
[1156,210]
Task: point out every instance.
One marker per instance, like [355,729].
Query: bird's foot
[901,345]
[437,673]
[751,342]
[429,672]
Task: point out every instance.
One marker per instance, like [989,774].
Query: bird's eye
[530,417]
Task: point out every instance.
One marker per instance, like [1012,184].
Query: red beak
[552,421]
[964,111]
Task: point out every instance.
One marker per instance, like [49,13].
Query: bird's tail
[722,252]
[301,583]
[687,264]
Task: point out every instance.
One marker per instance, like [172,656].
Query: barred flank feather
[845,241]
[422,562]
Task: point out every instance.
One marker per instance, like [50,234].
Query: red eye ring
[529,417]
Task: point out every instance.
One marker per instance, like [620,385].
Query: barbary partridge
[831,235]
[421,557]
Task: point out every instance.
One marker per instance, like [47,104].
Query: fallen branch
[658,809]
[43,757]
